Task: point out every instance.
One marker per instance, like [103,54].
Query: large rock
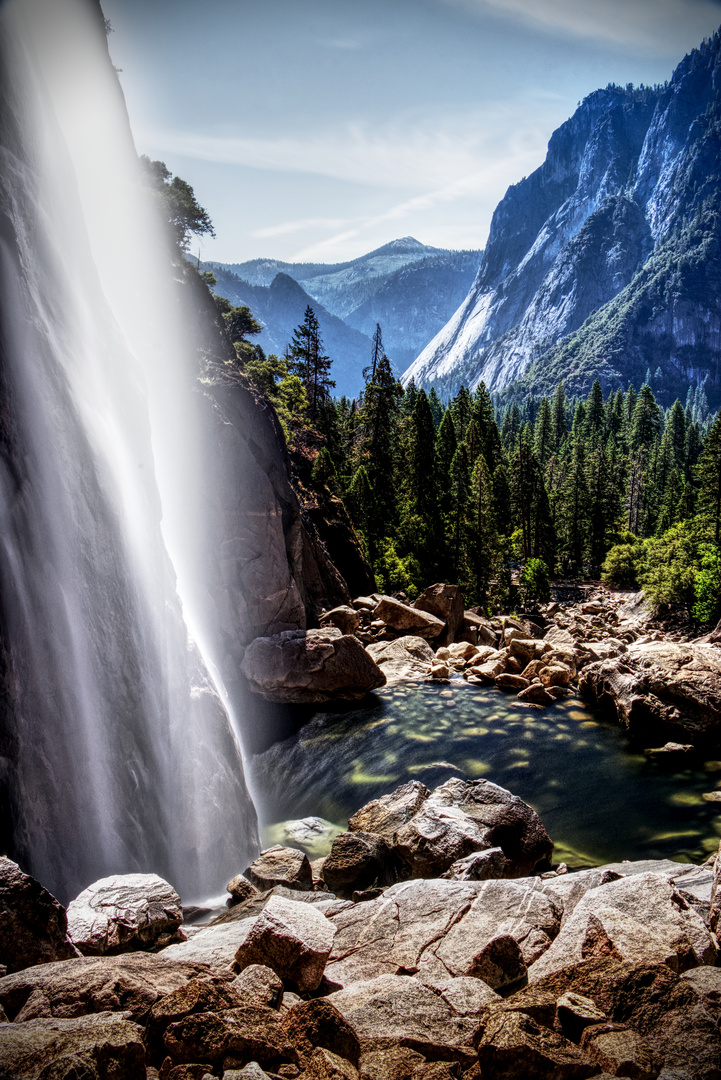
[446,603]
[33,925]
[661,690]
[280,865]
[124,913]
[641,918]
[513,1046]
[312,666]
[214,946]
[319,1023]
[403,659]
[392,1009]
[358,860]
[465,816]
[129,983]
[100,1047]
[408,620]
[388,814]
[206,993]
[233,1038]
[293,939]
[344,618]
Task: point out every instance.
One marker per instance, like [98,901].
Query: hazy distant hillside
[582,273]
[407,287]
[280,307]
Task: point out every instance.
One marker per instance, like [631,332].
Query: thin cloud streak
[403,155]
[286,228]
[646,25]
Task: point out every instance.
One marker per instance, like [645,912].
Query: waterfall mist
[116,753]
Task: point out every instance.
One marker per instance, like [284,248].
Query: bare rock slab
[104,1046]
[385,816]
[513,1046]
[129,983]
[392,1009]
[293,939]
[124,913]
[214,946]
[33,924]
[310,666]
[640,918]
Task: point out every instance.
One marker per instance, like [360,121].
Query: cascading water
[116,753]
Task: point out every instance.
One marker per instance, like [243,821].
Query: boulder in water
[124,913]
[385,816]
[661,688]
[279,865]
[463,816]
[33,925]
[403,659]
[307,667]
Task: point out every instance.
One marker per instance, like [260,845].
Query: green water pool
[600,798]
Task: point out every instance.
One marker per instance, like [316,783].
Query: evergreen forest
[502,498]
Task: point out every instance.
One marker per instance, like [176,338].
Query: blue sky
[321,129]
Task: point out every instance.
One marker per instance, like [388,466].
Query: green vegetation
[478,493]
[178,207]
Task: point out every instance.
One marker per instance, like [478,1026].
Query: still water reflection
[600,799]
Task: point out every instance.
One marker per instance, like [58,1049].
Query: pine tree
[595,413]
[362,507]
[675,426]
[484,415]
[709,479]
[483,543]
[420,525]
[511,426]
[308,361]
[560,423]
[462,412]
[436,406]
[473,443]
[457,529]
[645,421]
[574,516]
[445,446]
[544,434]
[379,425]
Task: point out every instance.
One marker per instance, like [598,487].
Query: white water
[115,751]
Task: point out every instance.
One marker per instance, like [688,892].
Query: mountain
[604,262]
[409,288]
[280,308]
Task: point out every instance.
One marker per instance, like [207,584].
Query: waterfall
[116,753]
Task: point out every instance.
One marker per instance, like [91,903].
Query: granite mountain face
[605,261]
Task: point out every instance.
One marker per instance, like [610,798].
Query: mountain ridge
[629,168]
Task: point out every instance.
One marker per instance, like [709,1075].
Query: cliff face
[265,567]
[620,179]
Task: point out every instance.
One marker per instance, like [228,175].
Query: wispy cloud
[286,228]
[413,154]
[650,25]
[485,184]
[345,44]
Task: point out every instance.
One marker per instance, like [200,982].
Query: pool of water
[600,799]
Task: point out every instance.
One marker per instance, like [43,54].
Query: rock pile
[605,972]
[606,647]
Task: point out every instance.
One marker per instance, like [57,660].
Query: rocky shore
[607,647]
[435,941]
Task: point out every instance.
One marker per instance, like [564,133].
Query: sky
[322,129]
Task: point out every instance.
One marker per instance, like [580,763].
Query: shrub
[534,583]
